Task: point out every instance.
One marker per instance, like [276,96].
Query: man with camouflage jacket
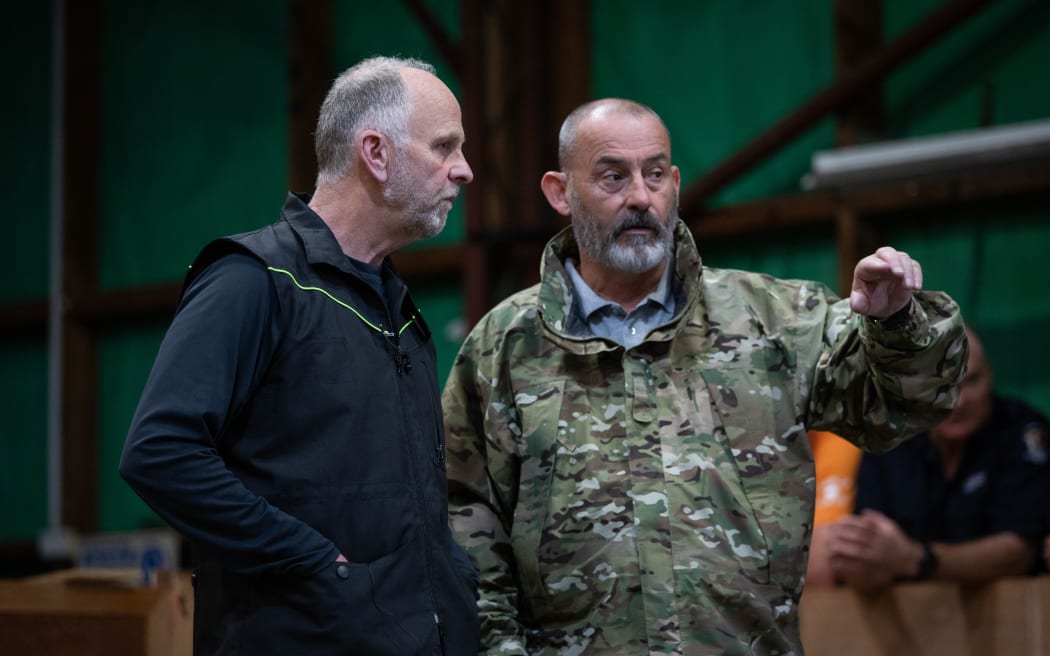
[627,454]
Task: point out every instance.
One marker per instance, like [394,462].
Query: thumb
[858,302]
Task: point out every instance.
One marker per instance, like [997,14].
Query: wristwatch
[927,563]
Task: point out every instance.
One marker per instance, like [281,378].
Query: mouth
[637,225]
[636,232]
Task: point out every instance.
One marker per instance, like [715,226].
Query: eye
[445,147]
[611,181]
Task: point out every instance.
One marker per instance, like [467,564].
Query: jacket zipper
[404,367]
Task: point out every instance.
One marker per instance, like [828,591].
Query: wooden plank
[929,618]
[97,612]
[1013,183]
[24,319]
[309,76]
[927,32]
[1009,181]
[472,79]
[858,36]
[449,50]
[423,263]
[104,309]
[80,225]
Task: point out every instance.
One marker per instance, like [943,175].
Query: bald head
[371,95]
[974,405]
[602,108]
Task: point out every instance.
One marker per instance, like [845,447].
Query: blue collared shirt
[603,318]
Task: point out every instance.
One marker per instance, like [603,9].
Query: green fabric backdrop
[194,132]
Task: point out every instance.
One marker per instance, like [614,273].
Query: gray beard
[638,254]
[425,219]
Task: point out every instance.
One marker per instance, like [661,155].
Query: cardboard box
[1010,616]
[97,612]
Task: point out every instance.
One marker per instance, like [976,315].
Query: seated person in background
[836,462]
[961,503]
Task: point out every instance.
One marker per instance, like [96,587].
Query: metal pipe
[55,299]
[56,541]
[953,151]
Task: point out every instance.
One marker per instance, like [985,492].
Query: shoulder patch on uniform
[1034,437]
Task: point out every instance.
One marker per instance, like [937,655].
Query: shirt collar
[588,302]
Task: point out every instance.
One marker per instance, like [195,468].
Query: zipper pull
[441,633]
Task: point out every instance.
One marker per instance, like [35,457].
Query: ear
[374,151]
[555,187]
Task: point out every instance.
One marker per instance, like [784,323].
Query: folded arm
[871,550]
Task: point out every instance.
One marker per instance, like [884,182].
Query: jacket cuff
[906,330]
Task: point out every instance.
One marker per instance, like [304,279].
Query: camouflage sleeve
[877,384]
[482,484]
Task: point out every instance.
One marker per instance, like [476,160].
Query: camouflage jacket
[660,500]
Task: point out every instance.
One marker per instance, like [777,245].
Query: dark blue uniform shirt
[1001,484]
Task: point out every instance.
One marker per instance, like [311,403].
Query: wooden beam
[309,77]
[452,53]
[516,95]
[422,263]
[855,237]
[472,79]
[80,225]
[568,33]
[1017,180]
[100,309]
[104,309]
[769,214]
[858,37]
[24,319]
[156,302]
[96,309]
[911,43]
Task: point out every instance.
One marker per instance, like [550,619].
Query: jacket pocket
[371,608]
[574,536]
[765,439]
[457,583]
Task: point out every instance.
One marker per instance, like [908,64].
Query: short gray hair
[371,95]
[567,134]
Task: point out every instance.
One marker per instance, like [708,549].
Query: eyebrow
[454,135]
[660,158]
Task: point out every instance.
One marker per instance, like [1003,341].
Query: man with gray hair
[627,453]
[291,427]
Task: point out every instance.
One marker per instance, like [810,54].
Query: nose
[638,194]
[460,172]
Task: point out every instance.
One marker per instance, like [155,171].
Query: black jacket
[292,416]
[1001,484]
